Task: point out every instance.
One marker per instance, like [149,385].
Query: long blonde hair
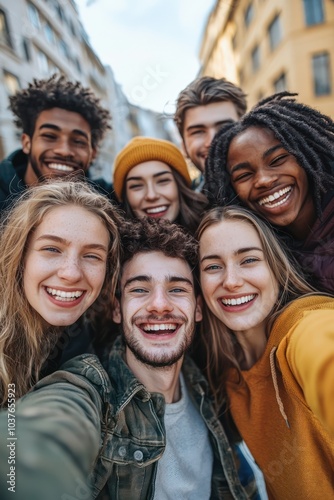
[218,342]
[24,341]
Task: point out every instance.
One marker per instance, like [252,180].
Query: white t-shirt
[185,469]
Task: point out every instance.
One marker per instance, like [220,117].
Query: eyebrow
[58,129]
[138,178]
[267,153]
[237,252]
[203,125]
[148,279]
[58,239]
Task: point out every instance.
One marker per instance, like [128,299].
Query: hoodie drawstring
[274,377]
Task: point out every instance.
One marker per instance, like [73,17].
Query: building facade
[267,46]
[42,37]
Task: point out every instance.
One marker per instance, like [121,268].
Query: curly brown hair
[58,92]
[157,235]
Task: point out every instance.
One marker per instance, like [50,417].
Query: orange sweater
[297,461]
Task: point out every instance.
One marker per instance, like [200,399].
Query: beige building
[266,46]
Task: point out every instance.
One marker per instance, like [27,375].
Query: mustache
[156,317]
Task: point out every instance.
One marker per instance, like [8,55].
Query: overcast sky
[151,45]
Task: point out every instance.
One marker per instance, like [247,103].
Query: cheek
[134,198]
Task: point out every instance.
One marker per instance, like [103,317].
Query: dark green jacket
[126,422]
[12,171]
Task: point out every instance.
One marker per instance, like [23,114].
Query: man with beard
[63,124]
[147,403]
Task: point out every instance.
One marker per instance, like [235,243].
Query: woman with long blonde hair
[59,252]
[269,344]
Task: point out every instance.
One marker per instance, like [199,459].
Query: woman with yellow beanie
[151,179]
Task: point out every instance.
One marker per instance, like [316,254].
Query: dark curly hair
[158,235]
[303,131]
[58,92]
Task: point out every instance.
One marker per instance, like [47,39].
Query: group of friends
[152,328]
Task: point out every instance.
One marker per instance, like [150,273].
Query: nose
[70,270]
[159,302]
[265,177]
[151,192]
[232,278]
[63,148]
[209,137]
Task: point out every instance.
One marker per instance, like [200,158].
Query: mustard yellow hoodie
[284,409]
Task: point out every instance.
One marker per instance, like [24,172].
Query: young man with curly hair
[63,124]
[145,424]
[202,108]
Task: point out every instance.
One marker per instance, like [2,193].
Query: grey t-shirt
[185,469]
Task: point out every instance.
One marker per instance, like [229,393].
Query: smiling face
[237,283]
[151,191]
[158,309]
[60,145]
[65,264]
[201,123]
[268,179]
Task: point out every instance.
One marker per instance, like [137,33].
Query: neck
[253,345]
[164,380]
[30,178]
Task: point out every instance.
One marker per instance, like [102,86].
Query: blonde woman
[269,341]
[59,252]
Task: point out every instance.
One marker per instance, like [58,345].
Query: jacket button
[138,455]
[122,451]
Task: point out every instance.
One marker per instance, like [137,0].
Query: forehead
[148,169]
[158,267]
[64,120]
[228,236]
[210,113]
[259,137]
[72,222]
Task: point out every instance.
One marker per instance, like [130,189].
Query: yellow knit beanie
[141,149]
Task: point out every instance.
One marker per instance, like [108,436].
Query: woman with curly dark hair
[278,161]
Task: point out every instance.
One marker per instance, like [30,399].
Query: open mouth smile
[154,211]
[62,296]
[61,167]
[159,328]
[238,301]
[276,199]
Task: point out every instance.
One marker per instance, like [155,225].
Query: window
[256,59]
[280,83]
[64,49]
[49,33]
[275,32]
[249,14]
[321,74]
[26,49]
[34,16]
[4,31]
[314,12]
[42,62]
[11,82]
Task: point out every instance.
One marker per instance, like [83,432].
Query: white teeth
[238,301]
[59,166]
[64,296]
[159,327]
[275,196]
[156,210]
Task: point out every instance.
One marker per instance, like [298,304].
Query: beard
[165,357]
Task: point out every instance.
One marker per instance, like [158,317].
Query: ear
[26,143]
[198,310]
[116,312]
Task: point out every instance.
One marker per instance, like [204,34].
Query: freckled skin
[68,253]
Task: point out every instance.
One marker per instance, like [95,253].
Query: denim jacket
[130,423]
